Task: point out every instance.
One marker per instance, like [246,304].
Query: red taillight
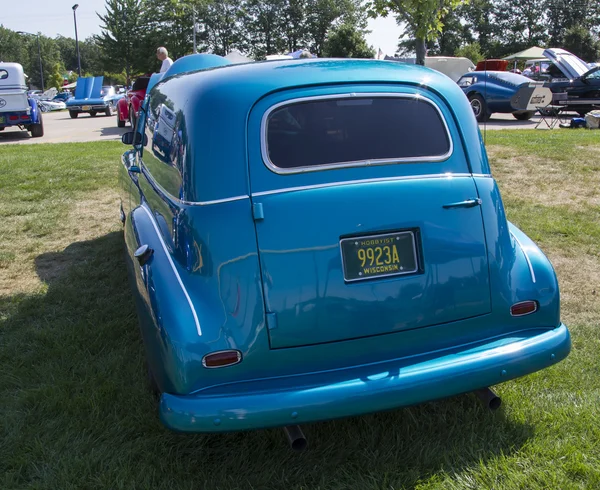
[523,308]
[13,118]
[222,358]
[24,116]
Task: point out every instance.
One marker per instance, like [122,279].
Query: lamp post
[39,54]
[77,40]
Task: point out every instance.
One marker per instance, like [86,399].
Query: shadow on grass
[77,412]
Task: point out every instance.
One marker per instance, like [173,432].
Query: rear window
[349,131]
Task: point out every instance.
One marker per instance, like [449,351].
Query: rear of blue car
[370,265]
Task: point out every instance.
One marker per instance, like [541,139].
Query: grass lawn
[75,412]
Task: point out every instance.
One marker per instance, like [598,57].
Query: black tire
[132,118]
[479,108]
[93,114]
[109,110]
[37,130]
[523,116]
[120,124]
[73,114]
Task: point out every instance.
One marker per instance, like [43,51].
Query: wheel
[93,114]
[132,118]
[37,130]
[479,108]
[43,107]
[109,110]
[523,116]
[73,114]
[120,124]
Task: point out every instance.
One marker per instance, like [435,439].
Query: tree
[580,42]
[346,41]
[471,51]
[223,24]
[264,27]
[121,33]
[423,17]
[478,18]
[521,23]
[56,79]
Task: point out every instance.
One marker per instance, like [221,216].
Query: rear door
[367,218]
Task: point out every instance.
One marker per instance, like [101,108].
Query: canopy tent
[528,54]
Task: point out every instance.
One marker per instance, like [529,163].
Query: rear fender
[122,109]
[35,111]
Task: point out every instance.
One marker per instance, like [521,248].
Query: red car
[128,106]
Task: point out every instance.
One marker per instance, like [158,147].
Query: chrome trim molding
[360,163]
[154,183]
[526,257]
[361,181]
[164,246]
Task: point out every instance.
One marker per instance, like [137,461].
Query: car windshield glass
[594,73]
[338,131]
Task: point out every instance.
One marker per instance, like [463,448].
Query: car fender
[122,110]
[35,111]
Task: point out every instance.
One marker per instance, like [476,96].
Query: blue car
[16,107]
[92,97]
[500,91]
[314,239]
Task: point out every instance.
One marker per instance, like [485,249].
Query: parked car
[322,239]
[62,97]
[51,105]
[129,106]
[92,97]
[572,75]
[501,91]
[16,107]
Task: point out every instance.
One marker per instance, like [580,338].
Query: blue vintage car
[501,91]
[92,97]
[16,107]
[314,239]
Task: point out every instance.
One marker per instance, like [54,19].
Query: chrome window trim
[526,257]
[163,191]
[168,254]
[359,163]
[448,175]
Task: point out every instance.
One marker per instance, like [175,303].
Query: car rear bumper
[366,389]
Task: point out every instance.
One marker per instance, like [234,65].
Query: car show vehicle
[92,97]
[315,239]
[16,107]
[501,91]
[129,106]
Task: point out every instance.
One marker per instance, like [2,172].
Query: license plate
[1,119]
[384,255]
[86,107]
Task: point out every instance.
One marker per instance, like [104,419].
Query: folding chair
[550,114]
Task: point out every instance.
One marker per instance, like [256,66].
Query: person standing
[163,55]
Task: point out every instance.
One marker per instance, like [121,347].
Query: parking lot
[60,128]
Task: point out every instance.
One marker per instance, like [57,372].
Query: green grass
[75,412]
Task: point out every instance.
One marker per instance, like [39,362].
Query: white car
[51,105]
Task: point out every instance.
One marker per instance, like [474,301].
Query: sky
[53,17]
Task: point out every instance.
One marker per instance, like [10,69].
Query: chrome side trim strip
[360,181]
[359,163]
[164,246]
[526,257]
[155,184]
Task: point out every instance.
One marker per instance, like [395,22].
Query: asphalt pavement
[60,128]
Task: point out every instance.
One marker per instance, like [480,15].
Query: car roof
[259,78]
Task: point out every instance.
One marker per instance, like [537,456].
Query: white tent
[528,54]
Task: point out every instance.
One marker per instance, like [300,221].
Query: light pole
[39,54]
[77,40]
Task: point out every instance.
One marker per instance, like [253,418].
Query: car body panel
[131,103]
[91,96]
[198,192]
[16,107]
[572,75]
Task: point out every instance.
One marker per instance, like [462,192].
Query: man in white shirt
[163,55]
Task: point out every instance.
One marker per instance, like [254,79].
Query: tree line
[131,30]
